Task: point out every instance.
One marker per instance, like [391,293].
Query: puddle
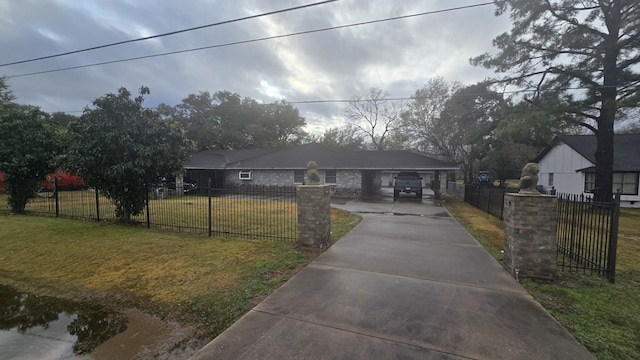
[44,327]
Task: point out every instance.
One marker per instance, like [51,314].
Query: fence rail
[245,211]
[487,198]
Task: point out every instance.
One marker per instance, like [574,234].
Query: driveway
[407,283]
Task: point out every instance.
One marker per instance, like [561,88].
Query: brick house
[351,173]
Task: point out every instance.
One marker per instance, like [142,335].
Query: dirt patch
[149,337]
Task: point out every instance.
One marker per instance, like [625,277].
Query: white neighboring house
[568,166]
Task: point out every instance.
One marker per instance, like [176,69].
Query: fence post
[489,200]
[210,212]
[147,203]
[613,240]
[55,196]
[97,205]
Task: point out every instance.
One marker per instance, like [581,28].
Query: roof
[626,149]
[327,158]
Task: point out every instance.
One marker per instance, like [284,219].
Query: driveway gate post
[314,215]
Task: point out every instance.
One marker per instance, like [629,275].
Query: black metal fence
[588,234]
[487,198]
[587,231]
[245,211]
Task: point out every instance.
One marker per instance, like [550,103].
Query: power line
[255,40]
[170,33]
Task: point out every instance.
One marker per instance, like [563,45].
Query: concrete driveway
[407,283]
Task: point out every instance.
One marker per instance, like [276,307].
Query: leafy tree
[225,120]
[121,148]
[469,119]
[588,50]
[6,95]
[29,147]
[340,139]
[374,117]
[422,119]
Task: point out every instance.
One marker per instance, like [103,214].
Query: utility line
[255,40]
[170,33]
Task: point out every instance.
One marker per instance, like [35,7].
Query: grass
[206,281]
[268,217]
[602,316]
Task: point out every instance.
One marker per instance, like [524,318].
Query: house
[568,166]
[351,173]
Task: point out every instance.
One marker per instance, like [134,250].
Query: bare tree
[374,116]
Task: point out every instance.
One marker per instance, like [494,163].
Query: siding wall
[563,162]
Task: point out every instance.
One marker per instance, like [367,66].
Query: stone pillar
[314,215]
[530,235]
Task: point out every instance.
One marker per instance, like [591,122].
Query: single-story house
[568,166]
[351,173]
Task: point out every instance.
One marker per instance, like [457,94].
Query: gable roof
[327,158]
[626,149]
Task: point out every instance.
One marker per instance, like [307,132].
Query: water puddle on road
[44,327]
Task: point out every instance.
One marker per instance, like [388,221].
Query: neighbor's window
[550,179]
[245,175]
[298,176]
[589,181]
[330,177]
[625,183]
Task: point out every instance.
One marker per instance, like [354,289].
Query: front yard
[197,280]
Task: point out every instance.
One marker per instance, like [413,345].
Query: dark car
[407,182]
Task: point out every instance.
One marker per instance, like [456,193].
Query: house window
[624,183]
[298,176]
[551,179]
[330,177]
[589,181]
[245,175]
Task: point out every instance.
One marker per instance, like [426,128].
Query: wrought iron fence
[587,231]
[246,211]
[487,198]
[588,234]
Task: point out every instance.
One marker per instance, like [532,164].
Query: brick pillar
[314,215]
[530,235]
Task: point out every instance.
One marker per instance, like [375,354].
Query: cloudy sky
[397,56]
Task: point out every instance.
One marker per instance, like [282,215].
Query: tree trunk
[609,94]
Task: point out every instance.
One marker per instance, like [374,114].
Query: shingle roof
[626,149]
[326,158]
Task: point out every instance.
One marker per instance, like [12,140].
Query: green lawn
[604,317]
[210,282]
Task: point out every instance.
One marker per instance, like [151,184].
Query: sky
[397,56]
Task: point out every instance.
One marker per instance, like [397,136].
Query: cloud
[397,56]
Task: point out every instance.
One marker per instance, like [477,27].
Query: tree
[121,148]
[469,120]
[588,50]
[374,116]
[340,139]
[225,120]
[422,119]
[29,147]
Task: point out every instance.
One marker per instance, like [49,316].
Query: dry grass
[212,281]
